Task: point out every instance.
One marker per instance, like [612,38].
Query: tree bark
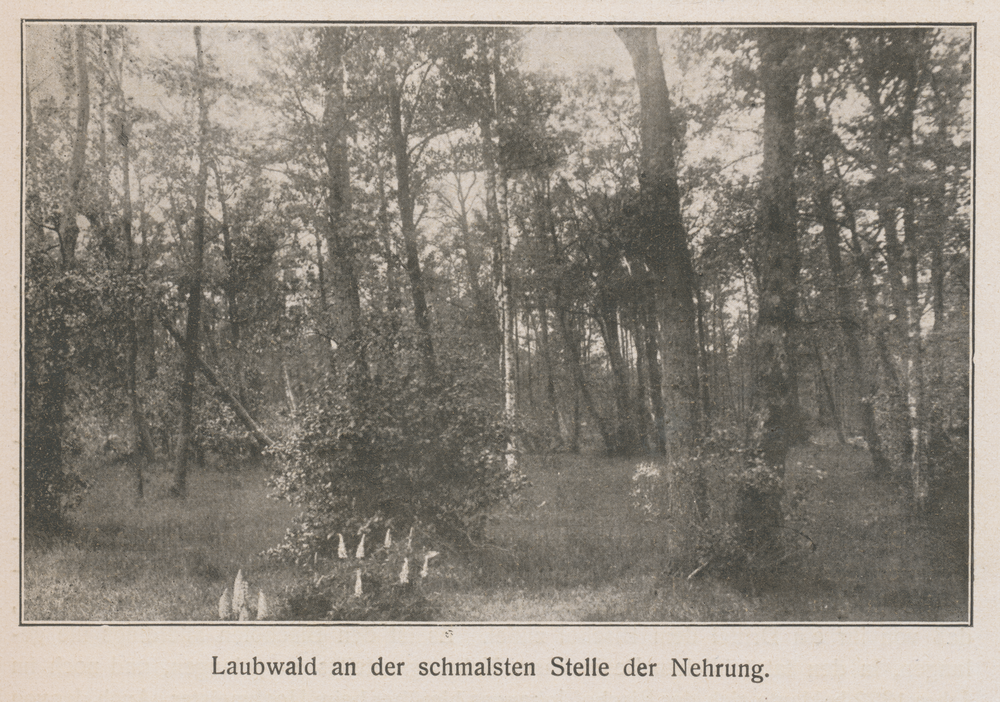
[775,419]
[68,229]
[187,450]
[145,451]
[496,217]
[860,369]
[405,201]
[343,275]
[665,241]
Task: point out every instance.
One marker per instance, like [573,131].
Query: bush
[394,453]
[715,539]
[56,309]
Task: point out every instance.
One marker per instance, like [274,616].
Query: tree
[776,422]
[663,240]
[54,293]
[186,449]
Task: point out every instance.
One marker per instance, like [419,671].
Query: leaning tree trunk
[187,450]
[775,419]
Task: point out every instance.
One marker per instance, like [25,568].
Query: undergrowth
[573,548]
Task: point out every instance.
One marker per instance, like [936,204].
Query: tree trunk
[572,343]
[649,328]
[230,290]
[192,356]
[187,453]
[47,375]
[547,367]
[343,276]
[860,369]
[68,229]
[623,432]
[496,216]
[484,309]
[404,199]
[775,419]
[665,242]
[145,451]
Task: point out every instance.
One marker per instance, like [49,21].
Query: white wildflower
[225,605]
[357,584]
[404,574]
[427,560]
[342,548]
[262,610]
[239,592]
[360,553]
[388,538]
[409,540]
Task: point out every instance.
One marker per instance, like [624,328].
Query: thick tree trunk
[665,241]
[187,452]
[775,419]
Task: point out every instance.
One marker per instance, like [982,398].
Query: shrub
[715,539]
[395,452]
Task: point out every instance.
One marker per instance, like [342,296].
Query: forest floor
[573,549]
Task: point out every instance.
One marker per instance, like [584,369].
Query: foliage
[393,453]
[715,542]
[387,583]
[57,306]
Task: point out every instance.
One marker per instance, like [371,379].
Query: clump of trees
[397,259]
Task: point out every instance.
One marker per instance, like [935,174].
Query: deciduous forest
[503,323]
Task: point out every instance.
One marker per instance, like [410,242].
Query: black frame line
[514,625]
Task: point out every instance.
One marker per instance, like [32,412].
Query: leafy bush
[715,538]
[394,453]
[56,306]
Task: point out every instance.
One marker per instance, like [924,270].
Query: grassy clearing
[162,559]
[572,549]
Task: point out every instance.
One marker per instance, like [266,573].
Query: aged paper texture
[912,660]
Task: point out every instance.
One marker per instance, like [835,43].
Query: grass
[162,559]
[572,549]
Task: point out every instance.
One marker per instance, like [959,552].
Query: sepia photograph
[496,323]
